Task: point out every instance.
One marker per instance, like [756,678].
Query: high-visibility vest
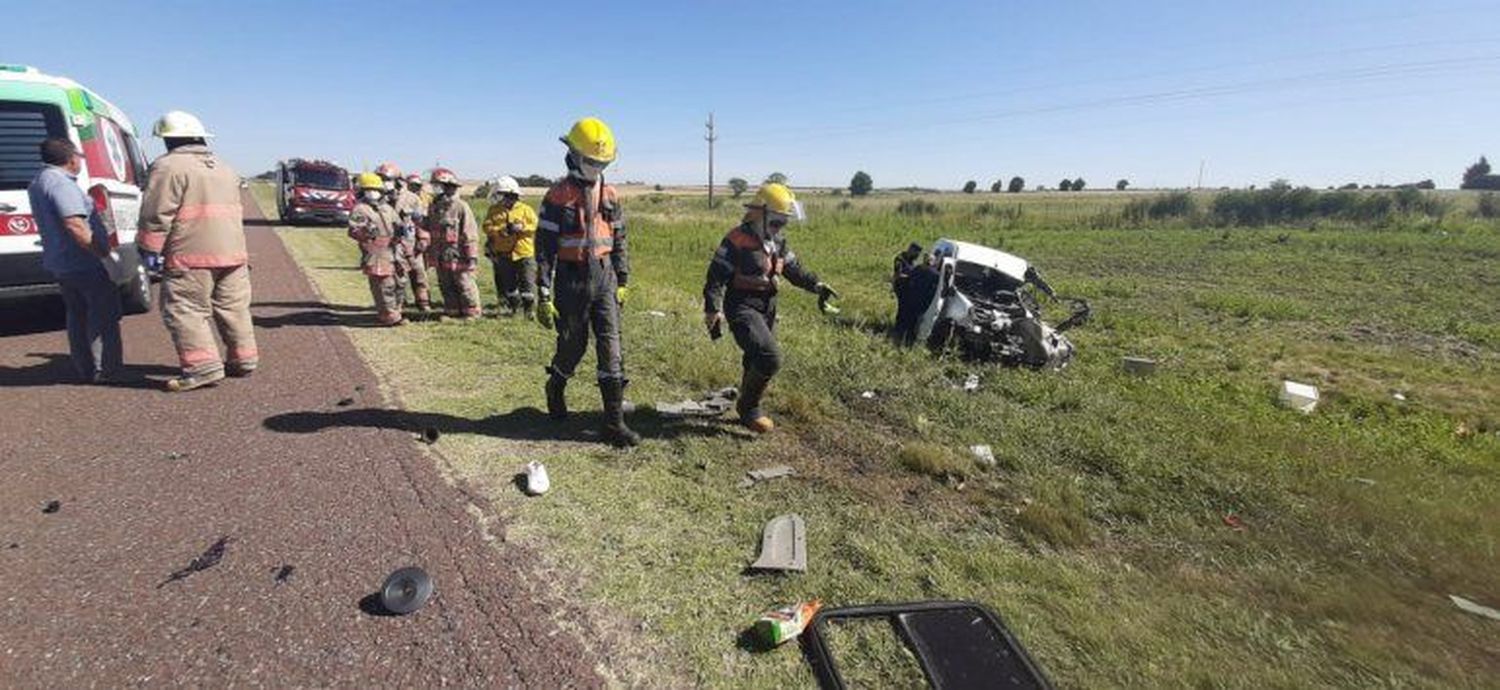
[768,263]
[584,232]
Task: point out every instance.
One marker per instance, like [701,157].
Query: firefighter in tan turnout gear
[374,225]
[583,263]
[409,234]
[191,216]
[455,247]
[741,286]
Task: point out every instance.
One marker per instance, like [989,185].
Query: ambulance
[36,106]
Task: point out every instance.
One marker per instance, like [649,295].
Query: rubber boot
[752,388]
[557,401]
[528,307]
[186,383]
[615,431]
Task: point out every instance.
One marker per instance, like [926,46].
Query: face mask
[450,191]
[586,169]
[390,186]
[372,195]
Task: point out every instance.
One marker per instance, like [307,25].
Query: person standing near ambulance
[191,216]
[581,239]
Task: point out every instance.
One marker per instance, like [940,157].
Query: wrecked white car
[981,302]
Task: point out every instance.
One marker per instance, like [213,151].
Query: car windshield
[322,178]
[23,126]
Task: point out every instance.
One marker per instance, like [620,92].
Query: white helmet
[180,125]
[505,185]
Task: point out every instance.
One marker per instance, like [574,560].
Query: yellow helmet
[777,198]
[591,138]
[369,180]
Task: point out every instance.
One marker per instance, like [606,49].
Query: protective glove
[546,313]
[471,263]
[714,322]
[826,293]
[621,293]
[152,260]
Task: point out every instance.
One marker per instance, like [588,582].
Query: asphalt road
[147,482]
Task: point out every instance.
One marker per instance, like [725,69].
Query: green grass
[1100,536]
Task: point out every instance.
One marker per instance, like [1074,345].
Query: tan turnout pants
[460,293]
[390,294]
[196,303]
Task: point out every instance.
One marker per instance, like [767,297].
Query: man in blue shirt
[75,245]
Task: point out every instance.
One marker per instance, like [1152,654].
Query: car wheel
[135,296]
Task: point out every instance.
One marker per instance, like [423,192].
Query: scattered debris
[537,481]
[658,314]
[1399,396]
[175,455]
[984,455]
[970,384]
[1476,609]
[359,388]
[1140,366]
[1464,430]
[208,559]
[1299,396]
[1363,480]
[1234,522]
[766,474]
[783,545]
[15,545]
[868,395]
[779,626]
[284,573]
[406,590]
[429,435]
[52,507]
[345,402]
[711,404]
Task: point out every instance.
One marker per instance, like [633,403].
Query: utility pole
[1200,173]
[710,138]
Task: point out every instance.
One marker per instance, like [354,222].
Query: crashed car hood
[994,259]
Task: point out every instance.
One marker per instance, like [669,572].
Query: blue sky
[926,94]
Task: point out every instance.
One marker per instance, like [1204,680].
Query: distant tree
[656,188]
[970,186]
[535,181]
[1280,184]
[1474,172]
[1121,185]
[1016,185]
[861,184]
[1041,188]
[997,186]
[1078,185]
[738,186]
[1065,185]
[1426,184]
[776,178]
[1351,185]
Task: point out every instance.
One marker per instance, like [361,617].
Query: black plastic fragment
[430,435]
[406,590]
[52,507]
[208,559]
[284,573]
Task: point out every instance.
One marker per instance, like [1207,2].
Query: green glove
[826,293]
[621,293]
[546,313]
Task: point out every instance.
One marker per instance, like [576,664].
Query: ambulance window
[23,126]
[137,159]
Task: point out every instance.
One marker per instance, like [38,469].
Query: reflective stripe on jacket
[749,264]
[191,212]
[454,234]
[511,233]
[373,226]
[581,221]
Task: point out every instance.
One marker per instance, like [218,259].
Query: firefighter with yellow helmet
[454,248]
[583,266]
[373,223]
[741,287]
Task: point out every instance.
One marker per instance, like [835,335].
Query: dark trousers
[752,320]
[93,304]
[515,280]
[585,297]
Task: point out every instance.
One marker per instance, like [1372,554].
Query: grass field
[1103,537]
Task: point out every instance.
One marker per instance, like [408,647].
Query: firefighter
[454,247]
[374,225]
[407,204]
[741,288]
[583,262]
[510,226]
[191,221]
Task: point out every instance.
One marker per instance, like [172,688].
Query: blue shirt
[55,195]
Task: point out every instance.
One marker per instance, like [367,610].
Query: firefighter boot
[557,402]
[615,431]
[752,387]
[528,307]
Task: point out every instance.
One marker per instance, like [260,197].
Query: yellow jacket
[520,244]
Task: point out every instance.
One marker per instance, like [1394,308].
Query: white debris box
[1299,396]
